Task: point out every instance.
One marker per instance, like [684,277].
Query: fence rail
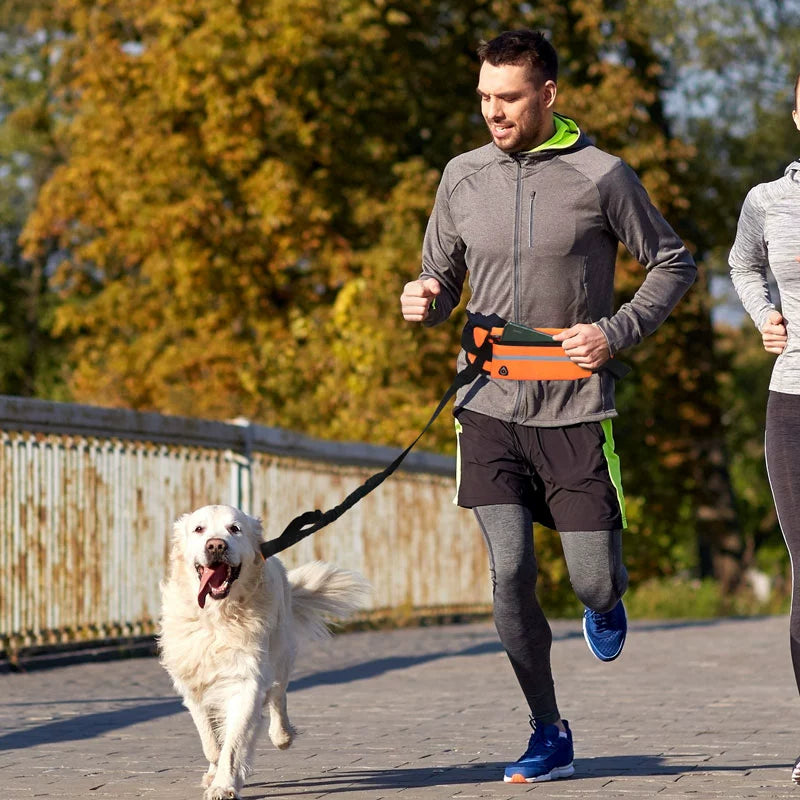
[89,495]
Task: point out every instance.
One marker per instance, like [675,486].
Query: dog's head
[217,543]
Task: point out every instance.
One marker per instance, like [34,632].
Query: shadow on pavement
[95,724]
[88,726]
[395,779]
[371,669]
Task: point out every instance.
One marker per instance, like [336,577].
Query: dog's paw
[281,737]
[282,740]
[208,778]
[221,793]
[281,733]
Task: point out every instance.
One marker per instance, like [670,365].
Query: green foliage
[731,65]
[30,358]
[745,386]
[696,599]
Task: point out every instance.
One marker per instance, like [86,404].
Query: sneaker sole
[556,772]
[594,652]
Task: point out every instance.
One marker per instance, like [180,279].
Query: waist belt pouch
[540,362]
[520,354]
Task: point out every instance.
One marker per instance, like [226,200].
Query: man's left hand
[585,345]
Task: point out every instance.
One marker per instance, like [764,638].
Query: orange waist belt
[526,354]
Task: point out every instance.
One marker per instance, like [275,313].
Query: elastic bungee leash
[510,351]
[312,521]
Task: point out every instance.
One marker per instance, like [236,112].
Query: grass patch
[682,598]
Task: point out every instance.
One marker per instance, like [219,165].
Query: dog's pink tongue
[212,578]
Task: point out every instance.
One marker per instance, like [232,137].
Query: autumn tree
[245,191]
[730,70]
[230,159]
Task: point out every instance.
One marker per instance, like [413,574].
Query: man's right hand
[773,334]
[417,297]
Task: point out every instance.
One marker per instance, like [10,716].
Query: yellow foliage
[244,193]
[247,184]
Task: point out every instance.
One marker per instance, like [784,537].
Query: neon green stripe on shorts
[614,472]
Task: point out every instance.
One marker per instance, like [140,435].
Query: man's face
[515,111]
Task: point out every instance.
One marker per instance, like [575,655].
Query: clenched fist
[773,334]
[417,298]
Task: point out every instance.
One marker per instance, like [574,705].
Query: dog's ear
[251,525]
[255,525]
[257,534]
[177,551]
[179,526]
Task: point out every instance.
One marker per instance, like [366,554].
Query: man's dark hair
[522,47]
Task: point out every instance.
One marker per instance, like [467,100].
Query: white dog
[228,633]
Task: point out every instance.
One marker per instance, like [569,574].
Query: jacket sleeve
[443,256]
[748,261]
[637,223]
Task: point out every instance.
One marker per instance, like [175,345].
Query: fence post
[242,467]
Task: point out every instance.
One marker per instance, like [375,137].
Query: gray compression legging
[782,446]
[597,574]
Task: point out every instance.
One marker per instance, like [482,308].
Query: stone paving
[690,710]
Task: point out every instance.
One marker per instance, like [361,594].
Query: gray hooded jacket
[768,235]
[538,233]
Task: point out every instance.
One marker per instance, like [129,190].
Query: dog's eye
[234,528]
[199,529]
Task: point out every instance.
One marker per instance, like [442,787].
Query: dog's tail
[322,593]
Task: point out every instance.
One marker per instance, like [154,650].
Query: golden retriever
[228,633]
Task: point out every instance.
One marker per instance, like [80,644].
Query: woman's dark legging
[782,450]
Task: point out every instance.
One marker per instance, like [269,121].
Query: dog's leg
[282,652]
[208,737]
[242,724]
[281,731]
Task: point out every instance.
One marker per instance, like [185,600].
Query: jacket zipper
[517,235]
[517,225]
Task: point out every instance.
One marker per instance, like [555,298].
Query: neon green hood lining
[567,133]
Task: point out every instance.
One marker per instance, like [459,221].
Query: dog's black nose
[216,549]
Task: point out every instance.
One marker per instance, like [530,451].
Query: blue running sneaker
[605,632]
[549,756]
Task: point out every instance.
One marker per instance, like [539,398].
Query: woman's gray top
[768,235]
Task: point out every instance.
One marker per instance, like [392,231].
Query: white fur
[232,659]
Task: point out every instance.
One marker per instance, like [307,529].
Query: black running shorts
[568,476]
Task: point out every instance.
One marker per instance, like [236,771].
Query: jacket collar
[532,157]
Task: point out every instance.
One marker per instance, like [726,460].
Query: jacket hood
[793,172]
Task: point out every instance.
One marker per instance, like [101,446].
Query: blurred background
[209,208]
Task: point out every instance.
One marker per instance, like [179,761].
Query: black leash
[312,521]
